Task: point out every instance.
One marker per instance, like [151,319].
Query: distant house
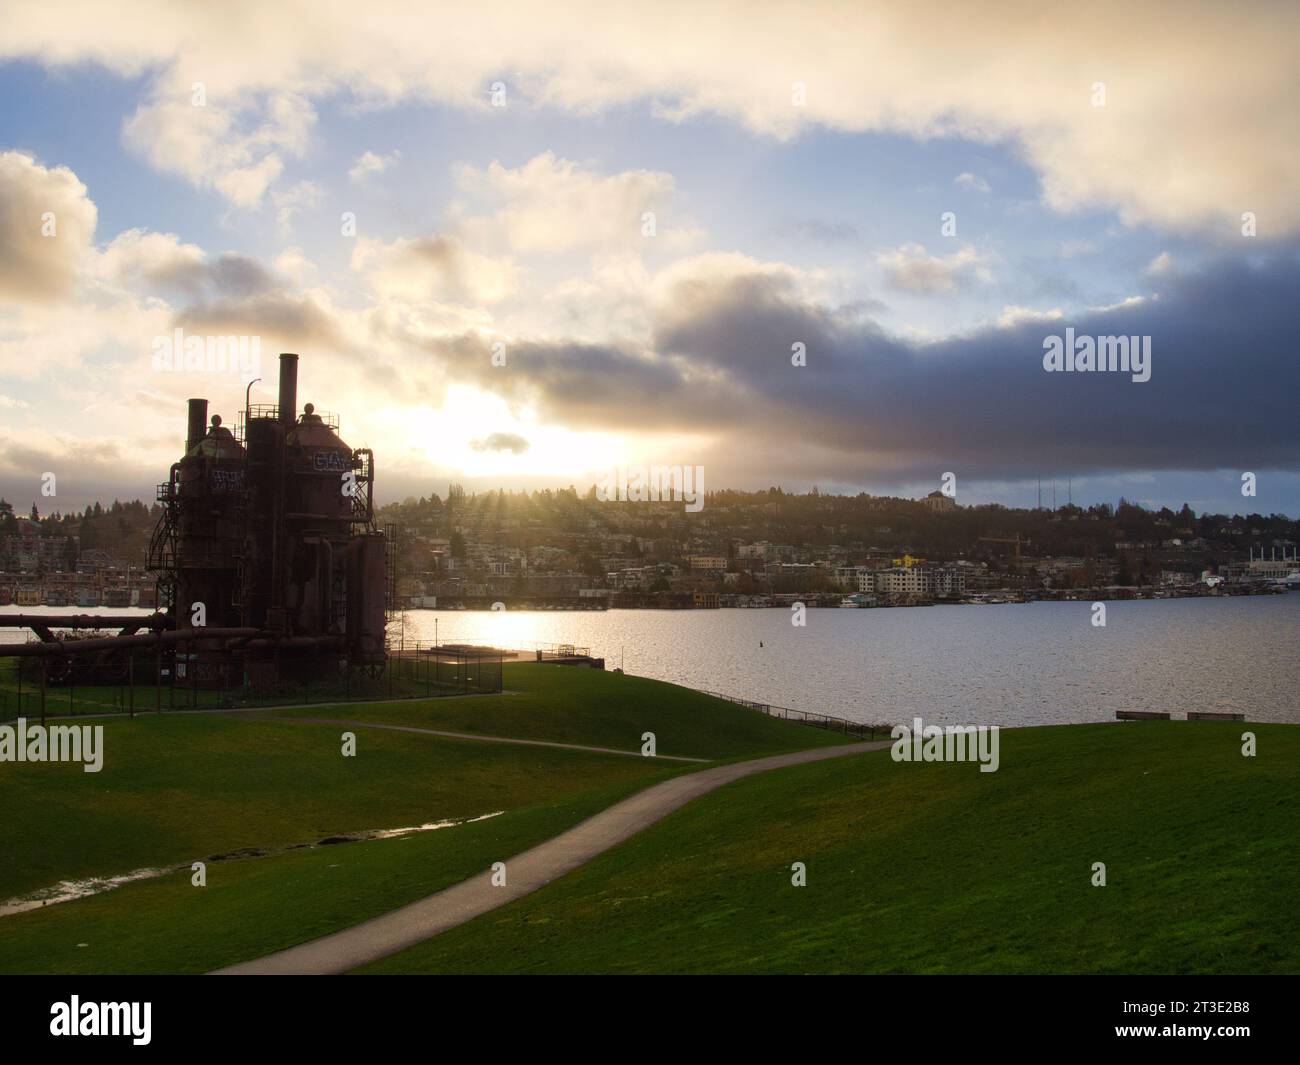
[940,503]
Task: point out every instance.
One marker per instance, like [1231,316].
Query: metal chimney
[288,389]
[198,422]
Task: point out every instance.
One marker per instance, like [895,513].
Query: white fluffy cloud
[553,205]
[158,260]
[1155,152]
[912,269]
[236,145]
[47,223]
[368,163]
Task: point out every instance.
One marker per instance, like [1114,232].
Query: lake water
[1018,664]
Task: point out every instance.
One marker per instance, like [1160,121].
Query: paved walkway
[525,873]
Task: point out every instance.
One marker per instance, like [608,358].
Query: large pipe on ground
[287,641]
[80,621]
[237,639]
[113,643]
[198,422]
[288,389]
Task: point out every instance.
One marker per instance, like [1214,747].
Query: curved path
[525,873]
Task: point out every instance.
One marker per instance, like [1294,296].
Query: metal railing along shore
[825,721]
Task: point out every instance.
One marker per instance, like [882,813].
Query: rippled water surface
[1018,664]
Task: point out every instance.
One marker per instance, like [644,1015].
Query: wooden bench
[1141,715]
[1210,715]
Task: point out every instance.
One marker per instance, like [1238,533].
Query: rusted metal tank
[274,533]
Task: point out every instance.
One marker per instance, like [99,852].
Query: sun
[479,435]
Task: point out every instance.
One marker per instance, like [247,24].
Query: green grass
[937,868]
[178,788]
[256,906]
[570,704]
[181,787]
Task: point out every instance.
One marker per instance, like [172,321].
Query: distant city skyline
[542,241]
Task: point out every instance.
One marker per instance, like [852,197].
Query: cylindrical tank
[209,499]
[319,488]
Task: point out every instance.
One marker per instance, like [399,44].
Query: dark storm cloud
[582,385]
[1222,391]
[84,472]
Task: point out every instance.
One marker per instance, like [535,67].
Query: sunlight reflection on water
[1030,664]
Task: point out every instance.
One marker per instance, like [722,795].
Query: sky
[518,244]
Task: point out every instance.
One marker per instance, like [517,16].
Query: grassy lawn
[937,868]
[176,788]
[568,704]
[256,906]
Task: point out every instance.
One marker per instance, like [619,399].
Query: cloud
[820,231]
[235,144]
[78,465]
[288,202]
[512,442]
[1014,315]
[1073,249]
[1161,266]
[153,263]
[140,258]
[972,181]
[433,268]
[283,321]
[47,223]
[553,205]
[369,164]
[874,408]
[912,269]
[917,69]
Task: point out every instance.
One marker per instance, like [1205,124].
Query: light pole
[246,393]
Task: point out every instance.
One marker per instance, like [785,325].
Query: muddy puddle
[67,890]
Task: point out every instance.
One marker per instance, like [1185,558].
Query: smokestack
[288,389]
[198,424]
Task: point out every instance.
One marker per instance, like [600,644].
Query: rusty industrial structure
[270,568]
[271,528]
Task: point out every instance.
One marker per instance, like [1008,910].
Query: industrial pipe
[198,425]
[79,621]
[288,389]
[113,643]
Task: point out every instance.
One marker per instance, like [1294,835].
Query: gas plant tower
[267,540]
